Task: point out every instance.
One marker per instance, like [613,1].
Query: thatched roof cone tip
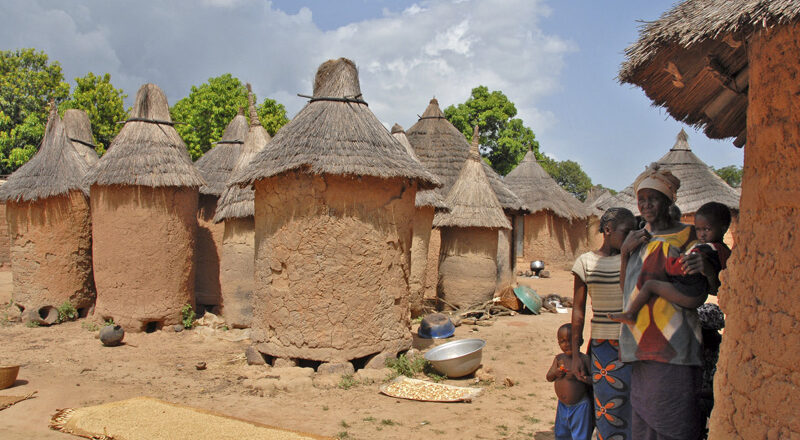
[217,164]
[425,197]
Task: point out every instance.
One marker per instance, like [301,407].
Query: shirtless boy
[574,414]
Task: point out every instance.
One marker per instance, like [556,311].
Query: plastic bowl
[8,375]
[457,358]
[437,326]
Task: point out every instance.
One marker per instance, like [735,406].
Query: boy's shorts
[574,422]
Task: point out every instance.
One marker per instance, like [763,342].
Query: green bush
[405,366]
[187,316]
[67,312]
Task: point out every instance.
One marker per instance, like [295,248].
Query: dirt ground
[68,367]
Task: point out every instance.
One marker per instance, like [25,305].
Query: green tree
[103,103]
[504,138]
[210,107]
[27,82]
[730,174]
[569,175]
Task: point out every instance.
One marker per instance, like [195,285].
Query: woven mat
[6,401]
[145,418]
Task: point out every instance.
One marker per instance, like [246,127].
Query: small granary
[144,212]
[556,231]
[79,132]
[732,68]
[216,167]
[334,205]
[236,210]
[699,185]
[47,209]
[427,202]
[467,265]
[5,241]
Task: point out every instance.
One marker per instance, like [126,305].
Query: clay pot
[111,335]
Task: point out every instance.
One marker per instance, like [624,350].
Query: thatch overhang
[237,201]
[699,184]
[147,151]
[540,192]
[55,170]
[443,150]
[336,133]
[79,132]
[472,202]
[693,60]
[425,197]
[217,164]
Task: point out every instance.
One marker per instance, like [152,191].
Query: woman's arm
[632,242]
[696,262]
[670,293]
[578,321]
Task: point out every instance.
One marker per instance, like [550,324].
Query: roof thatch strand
[540,192]
[336,133]
[147,151]
[442,150]
[425,197]
[699,184]
[237,201]
[55,170]
[217,164]
[693,60]
[472,202]
[79,131]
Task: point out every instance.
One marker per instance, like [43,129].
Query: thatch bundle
[49,226]
[217,164]
[425,197]
[79,131]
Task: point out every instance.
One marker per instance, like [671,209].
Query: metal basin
[457,358]
[537,265]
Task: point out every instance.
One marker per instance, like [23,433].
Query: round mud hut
[556,230]
[334,205]
[216,167]
[79,132]
[468,266]
[236,209]
[733,69]
[144,212]
[47,210]
[426,203]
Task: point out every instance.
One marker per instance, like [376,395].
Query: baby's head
[711,222]
[564,336]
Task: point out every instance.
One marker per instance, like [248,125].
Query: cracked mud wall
[143,247]
[237,271]
[432,265]
[757,381]
[5,240]
[332,266]
[553,239]
[51,251]
[423,221]
[468,268]
[208,252]
[505,265]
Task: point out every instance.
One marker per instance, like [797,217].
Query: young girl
[597,275]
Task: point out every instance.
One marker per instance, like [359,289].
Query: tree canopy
[104,105]
[504,138]
[731,174]
[210,107]
[569,175]
[27,82]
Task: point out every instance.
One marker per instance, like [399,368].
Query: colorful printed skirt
[611,380]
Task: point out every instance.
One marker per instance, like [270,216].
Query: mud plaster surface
[468,268]
[143,253]
[51,251]
[236,271]
[757,381]
[5,240]
[423,219]
[332,266]
[432,265]
[553,239]
[505,275]
[208,252]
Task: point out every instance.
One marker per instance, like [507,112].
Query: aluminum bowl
[457,358]
[537,265]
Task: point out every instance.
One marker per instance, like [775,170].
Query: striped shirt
[601,275]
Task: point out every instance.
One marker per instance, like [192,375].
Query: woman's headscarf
[658,179]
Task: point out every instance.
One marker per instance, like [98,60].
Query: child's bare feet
[624,317]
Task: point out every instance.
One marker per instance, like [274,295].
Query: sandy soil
[68,367]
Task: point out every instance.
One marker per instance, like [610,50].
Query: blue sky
[557,60]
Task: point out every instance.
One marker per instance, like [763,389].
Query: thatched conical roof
[55,170]
[540,192]
[693,60]
[443,150]
[237,201]
[699,184]
[79,132]
[336,133]
[147,151]
[472,202]
[425,197]
[217,164]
